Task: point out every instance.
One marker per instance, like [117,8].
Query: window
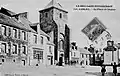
[37,54]
[14,33]
[24,49]
[41,40]
[86,63]
[50,49]
[3,48]
[34,54]
[35,39]
[83,61]
[82,55]
[76,47]
[72,47]
[4,30]
[19,49]
[41,54]
[74,53]
[46,14]
[14,49]
[19,34]
[60,15]
[9,33]
[61,44]
[24,35]
[2,60]
[86,56]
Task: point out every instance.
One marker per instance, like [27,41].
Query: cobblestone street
[12,69]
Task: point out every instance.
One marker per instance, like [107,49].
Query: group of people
[103,70]
[73,62]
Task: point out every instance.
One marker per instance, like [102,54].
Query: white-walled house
[40,47]
[74,54]
[84,56]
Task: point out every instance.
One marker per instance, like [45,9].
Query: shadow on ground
[100,74]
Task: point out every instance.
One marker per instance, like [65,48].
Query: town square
[59,38]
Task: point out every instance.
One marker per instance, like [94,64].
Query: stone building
[40,47]
[13,37]
[54,22]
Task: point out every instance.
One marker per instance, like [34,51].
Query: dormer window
[60,15]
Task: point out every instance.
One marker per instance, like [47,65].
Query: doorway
[23,62]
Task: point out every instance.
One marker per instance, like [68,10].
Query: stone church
[54,22]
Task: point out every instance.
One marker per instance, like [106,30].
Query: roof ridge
[53,3]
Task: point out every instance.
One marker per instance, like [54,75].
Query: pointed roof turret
[55,4]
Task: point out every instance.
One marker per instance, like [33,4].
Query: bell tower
[53,19]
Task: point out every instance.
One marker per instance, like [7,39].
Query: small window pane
[35,38]
[41,40]
[14,33]
[14,49]
[24,35]
[60,15]
[24,50]
[3,48]
[46,14]
[4,30]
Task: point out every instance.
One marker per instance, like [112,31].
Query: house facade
[13,37]
[23,42]
[40,47]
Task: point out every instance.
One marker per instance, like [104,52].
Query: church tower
[54,21]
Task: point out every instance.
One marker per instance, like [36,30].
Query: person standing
[103,70]
[115,69]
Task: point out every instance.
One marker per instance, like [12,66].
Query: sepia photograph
[59,38]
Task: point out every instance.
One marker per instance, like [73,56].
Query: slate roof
[7,18]
[7,12]
[41,32]
[83,51]
[26,23]
[55,4]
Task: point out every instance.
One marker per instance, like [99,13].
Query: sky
[77,19]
